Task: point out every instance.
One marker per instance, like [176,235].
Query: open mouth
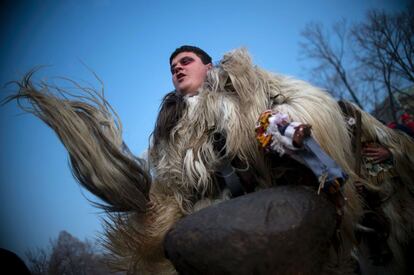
[180,76]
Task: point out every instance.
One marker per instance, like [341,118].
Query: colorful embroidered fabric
[262,136]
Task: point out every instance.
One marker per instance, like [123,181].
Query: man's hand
[377,154]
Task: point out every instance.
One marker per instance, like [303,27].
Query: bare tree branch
[371,60]
[318,46]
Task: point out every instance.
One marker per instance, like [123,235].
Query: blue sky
[127,43]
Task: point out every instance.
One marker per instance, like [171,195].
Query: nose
[177,68]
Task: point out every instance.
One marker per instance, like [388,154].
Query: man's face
[188,72]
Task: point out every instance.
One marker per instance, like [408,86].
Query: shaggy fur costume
[144,200]
[389,189]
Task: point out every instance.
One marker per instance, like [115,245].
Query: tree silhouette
[364,62]
[70,256]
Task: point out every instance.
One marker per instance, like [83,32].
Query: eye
[186,60]
[183,62]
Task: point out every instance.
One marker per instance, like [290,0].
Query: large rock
[283,230]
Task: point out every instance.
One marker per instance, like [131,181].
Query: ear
[209,66]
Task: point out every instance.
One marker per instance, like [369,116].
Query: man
[189,66]
[184,154]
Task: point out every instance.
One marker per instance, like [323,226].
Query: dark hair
[171,111]
[205,58]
